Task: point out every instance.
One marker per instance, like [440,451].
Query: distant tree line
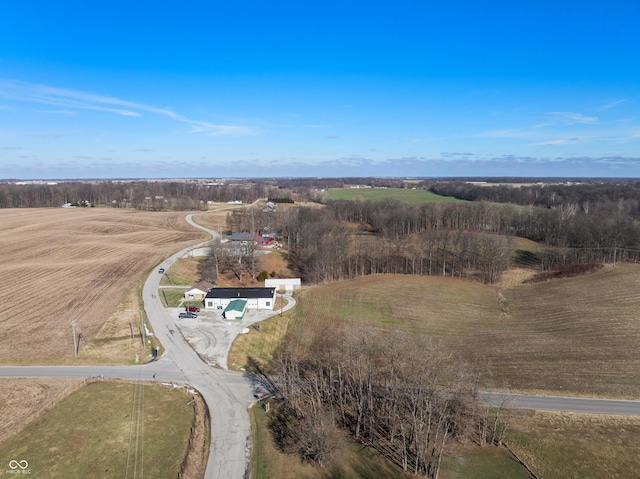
[573,223]
[144,195]
[352,238]
[589,196]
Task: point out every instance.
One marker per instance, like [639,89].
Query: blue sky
[155,89]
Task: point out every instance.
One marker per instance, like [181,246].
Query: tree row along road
[229,394]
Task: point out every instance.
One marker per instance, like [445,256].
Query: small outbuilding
[283,284]
[235,309]
[198,291]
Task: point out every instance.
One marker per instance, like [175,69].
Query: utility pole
[131,321]
[142,331]
[75,340]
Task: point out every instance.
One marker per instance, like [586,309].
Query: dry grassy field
[577,335]
[59,265]
[22,399]
[144,431]
[576,446]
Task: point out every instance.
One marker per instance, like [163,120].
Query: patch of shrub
[566,271]
[526,258]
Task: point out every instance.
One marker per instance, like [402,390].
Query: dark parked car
[193,309]
[188,315]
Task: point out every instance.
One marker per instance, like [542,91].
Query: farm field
[21,399]
[576,446]
[570,336]
[408,196]
[59,265]
[576,335]
[144,432]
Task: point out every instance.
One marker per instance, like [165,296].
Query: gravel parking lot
[211,336]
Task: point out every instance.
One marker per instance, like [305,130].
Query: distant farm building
[256,298]
[283,284]
[198,291]
[262,240]
[242,237]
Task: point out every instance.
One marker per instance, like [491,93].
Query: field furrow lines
[59,265]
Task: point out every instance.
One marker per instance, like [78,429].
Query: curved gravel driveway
[229,394]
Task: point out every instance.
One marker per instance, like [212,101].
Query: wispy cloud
[510,133]
[562,141]
[47,135]
[80,100]
[609,105]
[571,118]
[446,154]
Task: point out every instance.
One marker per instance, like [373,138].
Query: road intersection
[229,394]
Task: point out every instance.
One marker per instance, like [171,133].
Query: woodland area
[595,221]
[348,239]
[398,393]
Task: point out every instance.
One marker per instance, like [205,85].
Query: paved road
[562,403]
[229,394]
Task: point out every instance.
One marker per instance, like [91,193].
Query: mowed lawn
[407,196]
[576,335]
[107,430]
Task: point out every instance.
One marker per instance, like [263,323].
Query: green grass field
[407,196]
[90,433]
[576,446]
[258,345]
[482,463]
[576,335]
[570,336]
[171,298]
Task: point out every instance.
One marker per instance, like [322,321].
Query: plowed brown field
[59,265]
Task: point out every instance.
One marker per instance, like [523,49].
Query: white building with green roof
[235,309]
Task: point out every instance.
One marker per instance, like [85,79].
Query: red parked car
[193,309]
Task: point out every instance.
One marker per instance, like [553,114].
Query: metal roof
[241,293]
